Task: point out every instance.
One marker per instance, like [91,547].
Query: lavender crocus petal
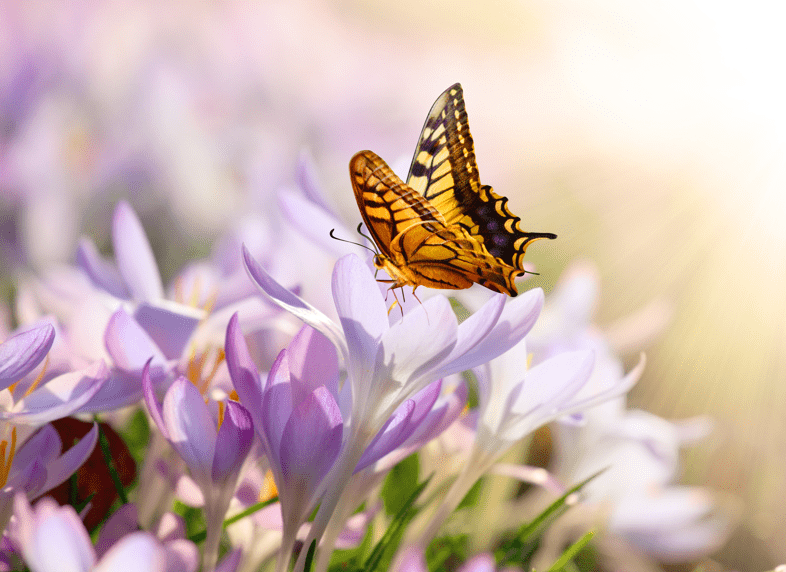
[416,344]
[123,521]
[311,440]
[554,382]
[101,272]
[44,444]
[20,354]
[393,433]
[480,563]
[169,325]
[153,407]
[308,180]
[313,222]
[532,475]
[230,561]
[53,538]
[130,346]
[292,303]
[276,407]
[242,370]
[59,470]
[181,556]
[192,430]
[621,387]
[480,344]
[134,256]
[362,311]
[313,361]
[137,552]
[235,435]
[60,397]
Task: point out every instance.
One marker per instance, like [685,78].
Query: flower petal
[20,354]
[137,552]
[243,371]
[135,259]
[67,464]
[235,436]
[313,361]
[292,303]
[169,325]
[130,346]
[192,430]
[101,272]
[60,397]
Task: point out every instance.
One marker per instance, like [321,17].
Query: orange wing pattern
[417,246]
[445,173]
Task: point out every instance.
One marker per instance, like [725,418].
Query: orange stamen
[5,463]
[269,489]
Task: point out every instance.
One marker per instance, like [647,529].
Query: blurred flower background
[648,136]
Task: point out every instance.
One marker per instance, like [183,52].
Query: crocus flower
[20,354]
[38,465]
[51,538]
[386,364]
[214,455]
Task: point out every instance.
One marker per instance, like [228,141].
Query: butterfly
[442,228]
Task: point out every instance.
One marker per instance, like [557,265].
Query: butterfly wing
[444,171]
[419,248]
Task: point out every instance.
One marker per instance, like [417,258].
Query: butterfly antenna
[367,237]
[332,230]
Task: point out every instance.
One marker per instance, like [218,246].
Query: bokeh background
[650,136]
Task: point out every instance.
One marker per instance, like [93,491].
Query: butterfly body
[441,229]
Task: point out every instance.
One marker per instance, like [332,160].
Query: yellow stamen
[37,381]
[194,301]
[5,463]
[268,489]
[221,410]
[179,290]
[234,396]
[211,301]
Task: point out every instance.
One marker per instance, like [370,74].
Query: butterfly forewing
[444,171]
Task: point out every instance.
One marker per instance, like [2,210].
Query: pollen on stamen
[33,385]
[5,462]
[268,490]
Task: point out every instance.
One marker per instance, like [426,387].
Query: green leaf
[571,552]
[400,483]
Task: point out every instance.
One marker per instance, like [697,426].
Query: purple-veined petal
[53,538]
[292,303]
[480,343]
[276,407]
[137,552]
[362,311]
[243,372]
[130,346]
[313,361]
[101,272]
[123,521]
[311,441]
[121,388]
[66,465]
[192,430]
[153,407]
[392,434]
[44,444]
[422,339]
[169,325]
[134,256]
[60,397]
[234,438]
[20,354]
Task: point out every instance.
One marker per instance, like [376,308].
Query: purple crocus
[214,454]
[386,364]
[52,538]
[296,416]
[20,354]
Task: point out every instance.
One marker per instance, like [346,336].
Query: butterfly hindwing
[445,173]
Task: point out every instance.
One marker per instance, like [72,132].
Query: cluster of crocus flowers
[246,407]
